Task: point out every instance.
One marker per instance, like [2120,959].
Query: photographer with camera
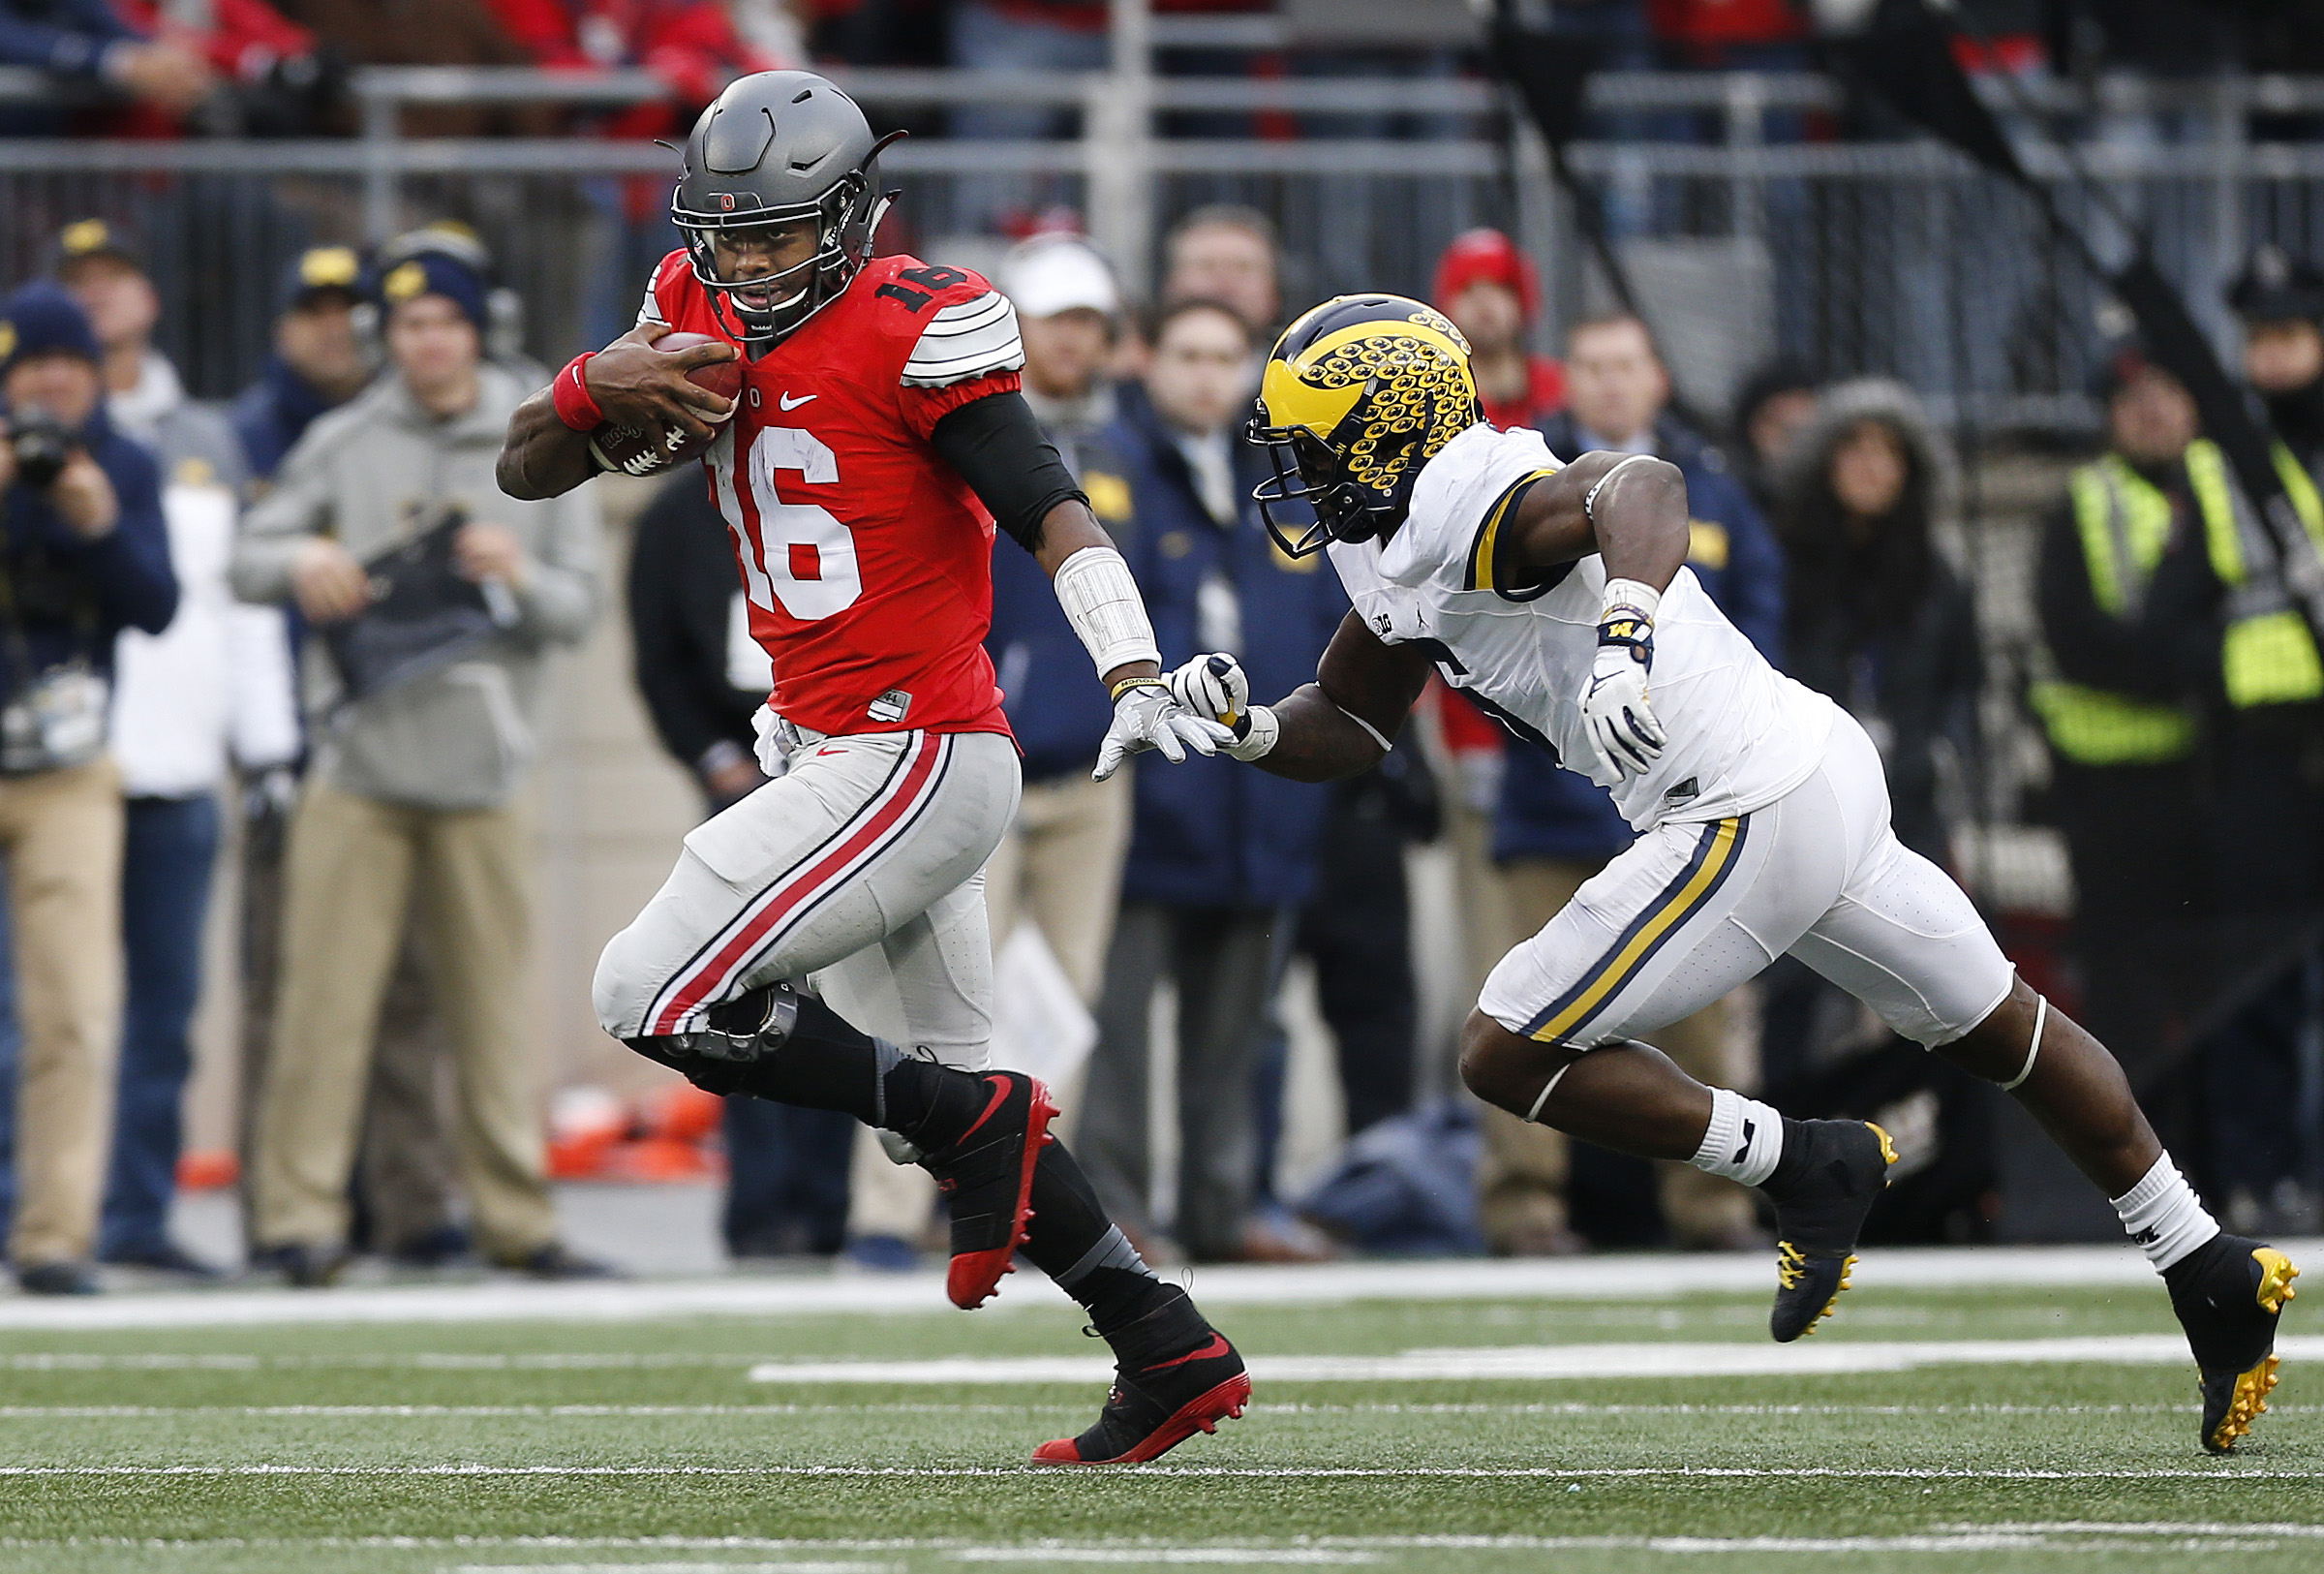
[83,555]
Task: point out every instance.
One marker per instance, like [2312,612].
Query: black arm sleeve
[997,445]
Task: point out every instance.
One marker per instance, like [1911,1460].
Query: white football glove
[1214,687]
[1620,723]
[1147,716]
[1217,689]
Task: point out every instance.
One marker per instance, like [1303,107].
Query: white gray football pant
[857,875]
[1694,909]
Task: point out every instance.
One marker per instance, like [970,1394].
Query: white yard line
[626,1412]
[1308,1557]
[1652,1278]
[1543,1362]
[1522,1472]
[1930,1537]
[811,1566]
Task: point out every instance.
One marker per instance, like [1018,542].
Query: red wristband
[576,406]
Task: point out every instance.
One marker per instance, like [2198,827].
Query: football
[634,453]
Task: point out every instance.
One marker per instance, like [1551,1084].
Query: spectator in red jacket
[1739,34]
[690,45]
[276,79]
[1489,290]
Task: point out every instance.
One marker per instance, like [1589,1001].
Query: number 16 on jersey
[802,563]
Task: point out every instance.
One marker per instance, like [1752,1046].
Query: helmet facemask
[845,217]
[1312,477]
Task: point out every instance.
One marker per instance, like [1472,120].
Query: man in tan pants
[84,554]
[62,833]
[410,804]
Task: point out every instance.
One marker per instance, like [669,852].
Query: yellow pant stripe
[1640,940]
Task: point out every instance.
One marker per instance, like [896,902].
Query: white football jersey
[1741,734]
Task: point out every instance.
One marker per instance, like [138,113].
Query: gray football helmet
[775,147]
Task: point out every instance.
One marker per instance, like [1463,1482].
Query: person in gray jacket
[411,797]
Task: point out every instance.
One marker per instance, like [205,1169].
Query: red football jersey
[867,561]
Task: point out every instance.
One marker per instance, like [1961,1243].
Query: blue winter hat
[43,319]
[322,270]
[433,273]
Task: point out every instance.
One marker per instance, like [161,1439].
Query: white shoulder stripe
[650,310]
[966,339]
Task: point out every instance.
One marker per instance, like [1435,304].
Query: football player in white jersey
[1555,594]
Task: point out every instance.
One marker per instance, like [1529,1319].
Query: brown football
[634,452]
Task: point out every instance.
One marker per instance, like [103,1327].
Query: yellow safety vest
[2123,524]
[2268,657]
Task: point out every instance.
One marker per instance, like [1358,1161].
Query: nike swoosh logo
[1218,1345]
[1751,1128]
[789,403]
[1002,1086]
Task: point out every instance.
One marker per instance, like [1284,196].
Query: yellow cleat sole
[1846,1269]
[2276,1275]
[2249,1404]
[1888,1146]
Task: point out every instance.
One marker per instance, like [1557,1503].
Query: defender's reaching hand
[1214,687]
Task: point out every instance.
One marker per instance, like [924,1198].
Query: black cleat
[987,1176]
[1822,1192]
[2228,1294]
[1173,1375]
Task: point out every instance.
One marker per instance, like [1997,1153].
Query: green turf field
[572,1446]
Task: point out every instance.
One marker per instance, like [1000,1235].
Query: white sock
[1743,1141]
[2163,1215]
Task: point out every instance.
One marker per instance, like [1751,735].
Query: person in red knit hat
[1489,290]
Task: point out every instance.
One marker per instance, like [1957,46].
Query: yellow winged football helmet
[1359,393]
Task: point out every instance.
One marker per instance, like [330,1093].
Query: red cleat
[1159,1403]
[988,1178]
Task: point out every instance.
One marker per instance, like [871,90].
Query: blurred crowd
[187,663]
[161,68]
[194,709]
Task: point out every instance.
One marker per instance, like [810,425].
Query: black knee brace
[735,1037]
[773,1042]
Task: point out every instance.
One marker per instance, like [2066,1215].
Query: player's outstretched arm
[628,382]
[997,445]
[1101,602]
[1338,725]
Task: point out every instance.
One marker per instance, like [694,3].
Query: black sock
[1073,1242]
[825,1062]
[1794,1159]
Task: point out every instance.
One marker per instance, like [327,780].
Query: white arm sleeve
[1101,602]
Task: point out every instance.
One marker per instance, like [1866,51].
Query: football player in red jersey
[877,442]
